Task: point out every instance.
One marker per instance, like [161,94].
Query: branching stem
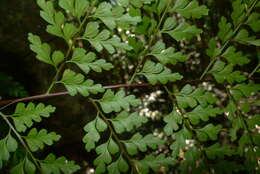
[213,59]
[115,136]
[21,140]
[144,53]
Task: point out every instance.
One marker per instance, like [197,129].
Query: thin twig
[45,96]
[253,72]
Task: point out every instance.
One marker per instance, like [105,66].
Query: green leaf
[169,24]
[225,73]
[200,113]
[102,40]
[67,5]
[173,120]
[116,102]
[104,156]
[153,162]
[193,10]
[56,29]
[125,21]
[243,37]
[7,145]
[225,30]
[11,143]
[25,115]
[57,57]
[235,58]
[88,61]
[81,7]
[93,128]
[113,168]
[192,155]
[212,50]
[238,14]
[179,4]
[162,4]
[125,122]
[91,30]
[189,98]
[4,155]
[57,26]
[254,22]
[76,7]
[104,13]
[147,26]
[111,16]
[112,147]
[69,31]
[18,169]
[54,165]
[142,143]
[75,83]
[100,125]
[237,123]
[208,132]
[219,151]
[47,10]
[157,73]
[184,31]
[36,140]
[168,55]
[246,90]
[42,50]
[179,143]
[29,167]
[122,164]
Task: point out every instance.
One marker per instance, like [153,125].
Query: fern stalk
[144,53]
[121,145]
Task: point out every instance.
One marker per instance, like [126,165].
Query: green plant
[212,126]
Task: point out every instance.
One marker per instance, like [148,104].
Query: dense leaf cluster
[205,130]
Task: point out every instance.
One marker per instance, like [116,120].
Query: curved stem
[115,136]
[21,140]
[56,77]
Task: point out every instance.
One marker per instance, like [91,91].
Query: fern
[36,140]
[25,115]
[213,123]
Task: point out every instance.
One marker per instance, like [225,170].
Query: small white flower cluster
[148,99]
[190,143]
